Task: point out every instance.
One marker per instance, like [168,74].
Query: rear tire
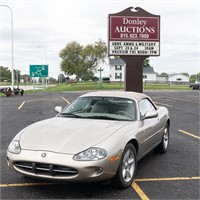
[127,168]
[163,146]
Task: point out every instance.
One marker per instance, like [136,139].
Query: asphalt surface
[174,175]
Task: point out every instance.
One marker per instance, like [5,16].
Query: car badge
[43,155]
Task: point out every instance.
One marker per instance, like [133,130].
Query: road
[174,175]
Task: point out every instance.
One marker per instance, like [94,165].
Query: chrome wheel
[128,165]
[166,138]
[164,144]
[127,168]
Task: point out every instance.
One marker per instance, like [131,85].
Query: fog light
[98,170]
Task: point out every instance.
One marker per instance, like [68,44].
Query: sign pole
[43,83]
[134,72]
[34,84]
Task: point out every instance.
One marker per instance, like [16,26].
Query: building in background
[178,77]
[117,71]
[149,74]
[118,67]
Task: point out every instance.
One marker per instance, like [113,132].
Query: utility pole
[12,51]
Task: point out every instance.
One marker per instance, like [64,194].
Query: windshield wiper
[102,117]
[91,117]
[68,115]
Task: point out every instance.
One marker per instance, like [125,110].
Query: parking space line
[142,195]
[21,105]
[134,185]
[184,100]
[65,100]
[190,134]
[24,184]
[35,100]
[167,179]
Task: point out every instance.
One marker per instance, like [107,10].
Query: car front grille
[45,169]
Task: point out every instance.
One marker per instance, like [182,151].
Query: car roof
[122,94]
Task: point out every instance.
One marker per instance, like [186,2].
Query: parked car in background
[195,86]
[100,136]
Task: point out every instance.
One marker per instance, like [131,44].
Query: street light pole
[12,52]
[44,81]
[45,53]
[46,64]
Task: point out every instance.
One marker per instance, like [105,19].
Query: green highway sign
[38,70]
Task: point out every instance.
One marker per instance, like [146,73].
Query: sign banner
[134,35]
[134,48]
[38,70]
[134,28]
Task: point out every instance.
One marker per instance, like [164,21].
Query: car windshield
[109,108]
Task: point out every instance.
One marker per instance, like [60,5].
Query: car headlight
[91,154]
[14,147]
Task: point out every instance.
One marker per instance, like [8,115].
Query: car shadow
[64,190]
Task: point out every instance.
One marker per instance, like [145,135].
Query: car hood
[67,135]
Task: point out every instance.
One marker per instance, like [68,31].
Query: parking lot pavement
[174,175]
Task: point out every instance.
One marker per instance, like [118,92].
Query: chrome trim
[48,169]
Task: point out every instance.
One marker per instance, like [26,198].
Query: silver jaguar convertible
[99,136]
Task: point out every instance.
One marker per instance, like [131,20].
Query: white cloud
[51,24]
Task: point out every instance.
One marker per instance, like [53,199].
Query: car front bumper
[61,167]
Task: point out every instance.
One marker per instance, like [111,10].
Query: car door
[149,135]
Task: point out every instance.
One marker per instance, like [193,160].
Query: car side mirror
[58,109]
[151,114]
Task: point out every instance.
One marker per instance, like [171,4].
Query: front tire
[163,146]
[127,168]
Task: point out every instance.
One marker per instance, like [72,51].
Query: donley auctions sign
[132,35]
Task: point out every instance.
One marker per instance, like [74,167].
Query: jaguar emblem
[43,155]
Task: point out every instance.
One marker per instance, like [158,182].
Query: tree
[72,59]
[26,78]
[80,60]
[194,77]
[146,62]
[61,78]
[52,80]
[87,76]
[5,74]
